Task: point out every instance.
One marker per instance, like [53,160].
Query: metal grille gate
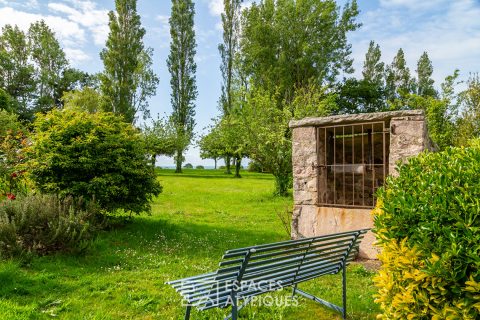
[352,163]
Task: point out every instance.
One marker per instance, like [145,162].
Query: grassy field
[199,215]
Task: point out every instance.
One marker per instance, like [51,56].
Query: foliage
[427,222]
[13,140]
[210,144]
[425,82]
[285,45]
[469,122]
[95,156]
[188,166]
[199,167]
[358,96]
[44,223]
[398,81]
[16,68]
[86,99]
[34,70]
[159,139]
[373,67]
[50,62]
[228,51]
[182,68]
[127,80]
[6,101]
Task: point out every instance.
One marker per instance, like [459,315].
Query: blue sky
[448,30]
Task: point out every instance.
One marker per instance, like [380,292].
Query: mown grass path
[199,215]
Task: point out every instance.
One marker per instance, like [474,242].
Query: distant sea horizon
[174,167]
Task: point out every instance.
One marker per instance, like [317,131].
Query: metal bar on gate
[373,165]
[353,163]
[343,162]
[363,162]
[334,163]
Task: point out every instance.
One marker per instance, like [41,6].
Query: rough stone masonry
[408,137]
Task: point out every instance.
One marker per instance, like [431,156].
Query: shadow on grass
[159,239]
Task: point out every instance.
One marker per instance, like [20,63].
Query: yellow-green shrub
[427,222]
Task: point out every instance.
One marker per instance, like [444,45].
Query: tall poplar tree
[398,79]
[228,50]
[182,67]
[127,80]
[424,77]
[373,67]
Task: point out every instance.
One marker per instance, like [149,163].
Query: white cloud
[69,33]
[86,14]
[76,56]
[449,32]
[412,4]
[215,7]
[64,29]
[163,31]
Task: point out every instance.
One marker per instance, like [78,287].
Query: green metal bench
[248,272]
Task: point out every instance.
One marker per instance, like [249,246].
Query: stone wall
[408,137]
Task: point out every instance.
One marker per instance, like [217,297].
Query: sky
[448,30]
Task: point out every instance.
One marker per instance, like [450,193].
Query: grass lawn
[199,215]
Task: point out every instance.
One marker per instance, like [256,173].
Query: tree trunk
[215,159]
[179,161]
[281,184]
[154,159]
[238,164]
[227,165]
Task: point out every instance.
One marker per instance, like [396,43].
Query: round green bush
[427,222]
[200,167]
[188,166]
[94,156]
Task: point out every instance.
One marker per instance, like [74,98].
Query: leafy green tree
[210,145]
[73,79]
[16,70]
[127,80]
[159,139]
[285,48]
[285,45]
[373,67]
[86,99]
[13,140]
[267,134]
[441,113]
[357,96]
[469,121]
[94,156]
[50,63]
[6,101]
[425,82]
[398,81]
[182,67]
[228,51]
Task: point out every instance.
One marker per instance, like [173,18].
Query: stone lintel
[355,118]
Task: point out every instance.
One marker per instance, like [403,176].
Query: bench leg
[187,313]
[234,308]
[294,289]
[344,290]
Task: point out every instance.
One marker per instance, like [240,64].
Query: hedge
[427,222]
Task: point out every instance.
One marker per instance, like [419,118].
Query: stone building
[340,161]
